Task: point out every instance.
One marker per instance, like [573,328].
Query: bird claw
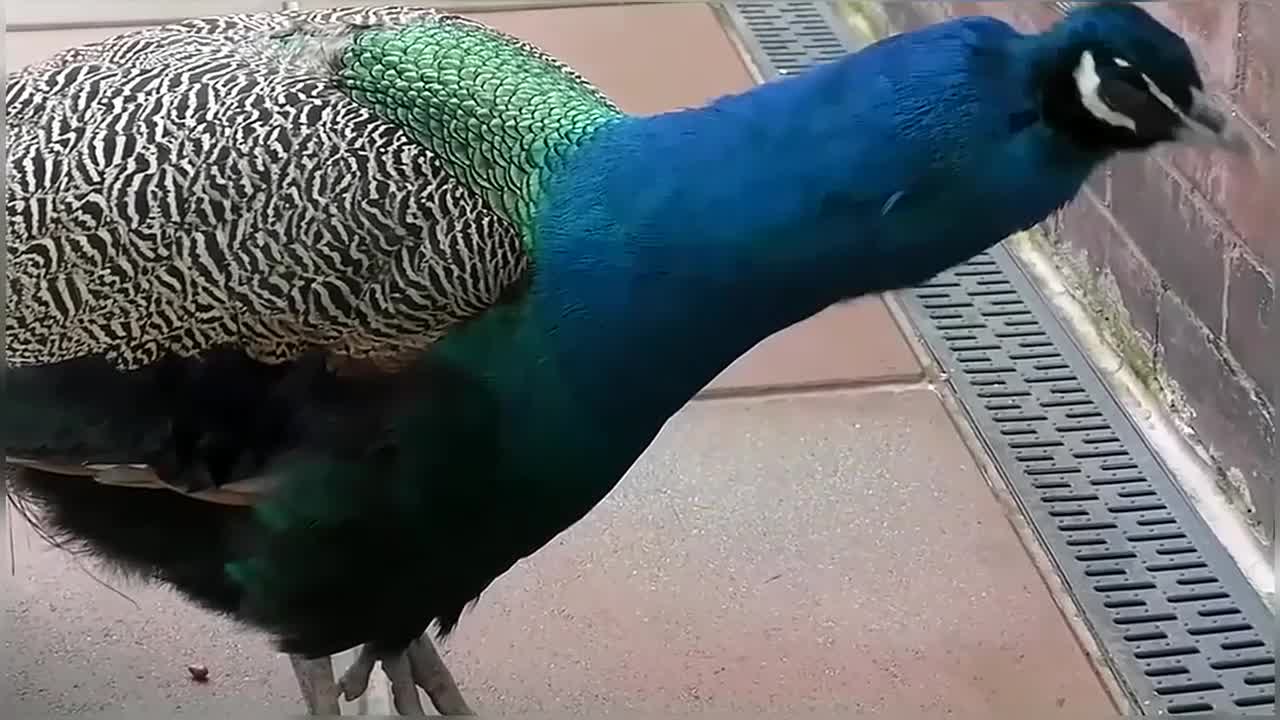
[418,666]
[355,681]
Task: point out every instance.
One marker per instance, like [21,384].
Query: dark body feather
[308,413]
[224,274]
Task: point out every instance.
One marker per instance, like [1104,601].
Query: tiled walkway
[835,550]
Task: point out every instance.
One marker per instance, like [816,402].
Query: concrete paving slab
[78,638]
[817,553]
[833,552]
[649,58]
[852,343]
[78,647]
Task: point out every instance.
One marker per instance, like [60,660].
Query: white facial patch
[1162,97]
[1087,82]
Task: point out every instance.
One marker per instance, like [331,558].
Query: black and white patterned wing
[193,186]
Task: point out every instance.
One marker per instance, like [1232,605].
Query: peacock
[293,290]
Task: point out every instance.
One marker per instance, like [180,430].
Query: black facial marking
[1126,91]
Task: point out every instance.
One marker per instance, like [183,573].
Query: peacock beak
[1208,124]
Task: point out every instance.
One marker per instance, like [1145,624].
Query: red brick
[1180,237]
[1100,183]
[1237,424]
[962,9]
[1268,246]
[1261,62]
[1139,287]
[1253,324]
[1210,28]
[1085,225]
[1031,16]
[908,16]
[1273,61]
[1233,185]
[1026,17]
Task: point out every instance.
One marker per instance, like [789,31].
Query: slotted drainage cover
[787,37]
[1183,628]
[1182,625]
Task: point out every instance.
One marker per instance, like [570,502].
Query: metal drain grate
[1183,628]
[787,37]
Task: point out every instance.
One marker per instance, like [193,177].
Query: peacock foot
[419,665]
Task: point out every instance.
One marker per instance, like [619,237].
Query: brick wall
[1174,248]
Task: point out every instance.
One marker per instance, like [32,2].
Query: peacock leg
[404,694]
[419,665]
[315,680]
[430,672]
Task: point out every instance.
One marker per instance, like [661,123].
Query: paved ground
[831,551]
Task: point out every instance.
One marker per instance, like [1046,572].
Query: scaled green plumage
[500,114]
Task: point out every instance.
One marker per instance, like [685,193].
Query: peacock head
[1118,80]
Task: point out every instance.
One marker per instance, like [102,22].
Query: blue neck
[672,244]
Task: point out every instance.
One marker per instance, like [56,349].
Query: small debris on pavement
[199,673]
